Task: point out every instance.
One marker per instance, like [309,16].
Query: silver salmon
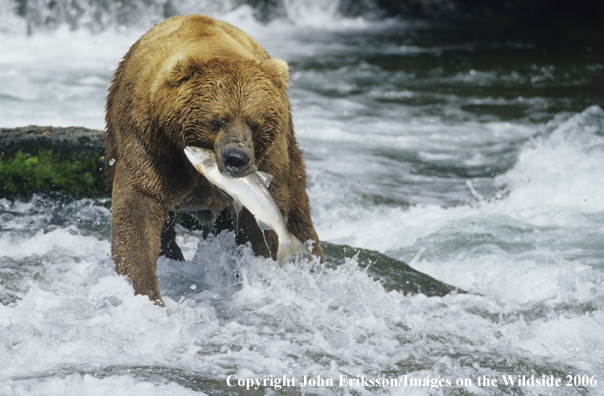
[252,192]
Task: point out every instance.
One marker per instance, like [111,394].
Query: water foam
[230,313]
[86,384]
[550,185]
[71,87]
[37,16]
[553,181]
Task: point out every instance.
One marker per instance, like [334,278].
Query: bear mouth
[235,161]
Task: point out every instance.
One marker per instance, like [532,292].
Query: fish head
[198,156]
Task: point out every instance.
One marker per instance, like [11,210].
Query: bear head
[238,108]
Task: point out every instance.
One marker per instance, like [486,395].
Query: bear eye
[254,126]
[216,124]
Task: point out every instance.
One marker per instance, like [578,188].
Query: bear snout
[235,161]
[234,150]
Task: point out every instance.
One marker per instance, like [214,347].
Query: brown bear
[196,81]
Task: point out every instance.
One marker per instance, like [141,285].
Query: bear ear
[178,70]
[278,69]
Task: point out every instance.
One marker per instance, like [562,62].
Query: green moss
[45,172]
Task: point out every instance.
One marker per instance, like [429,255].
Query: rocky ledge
[37,159]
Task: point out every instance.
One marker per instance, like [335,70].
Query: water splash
[31,16]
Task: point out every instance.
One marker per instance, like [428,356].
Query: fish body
[252,192]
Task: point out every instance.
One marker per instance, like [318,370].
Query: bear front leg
[136,224]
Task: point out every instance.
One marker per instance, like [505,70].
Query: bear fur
[196,81]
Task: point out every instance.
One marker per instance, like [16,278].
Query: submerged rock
[392,273]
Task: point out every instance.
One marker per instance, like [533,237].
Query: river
[477,157]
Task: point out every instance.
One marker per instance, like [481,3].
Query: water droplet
[111,161]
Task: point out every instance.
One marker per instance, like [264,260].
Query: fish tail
[289,248]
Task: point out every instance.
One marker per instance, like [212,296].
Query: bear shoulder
[199,36]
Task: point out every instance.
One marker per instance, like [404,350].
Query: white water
[509,209]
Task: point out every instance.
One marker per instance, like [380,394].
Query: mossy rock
[52,160]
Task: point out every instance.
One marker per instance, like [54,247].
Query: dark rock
[69,141]
[392,273]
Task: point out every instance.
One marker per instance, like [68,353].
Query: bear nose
[235,161]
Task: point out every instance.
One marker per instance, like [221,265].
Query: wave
[556,174]
[552,184]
